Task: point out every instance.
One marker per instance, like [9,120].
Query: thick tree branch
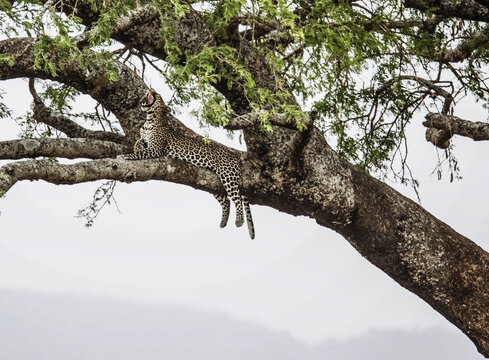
[466,47]
[420,252]
[120,170]
[60,122]
[121,97]
[64,148]
[443,127]
[463,9]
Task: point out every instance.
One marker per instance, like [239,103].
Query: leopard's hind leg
[238,202]
[230,183]
[225,204]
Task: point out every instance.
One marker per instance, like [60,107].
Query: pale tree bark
[292,171]
[64,148]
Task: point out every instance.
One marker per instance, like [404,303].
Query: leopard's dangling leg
[233,193]
[249,219]
[230,183]
[225,204]
[239,211]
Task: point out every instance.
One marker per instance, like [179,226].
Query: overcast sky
[165,246]
[81,328]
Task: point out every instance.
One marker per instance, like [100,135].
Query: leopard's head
[153,103]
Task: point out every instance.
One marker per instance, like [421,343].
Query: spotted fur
[158,139]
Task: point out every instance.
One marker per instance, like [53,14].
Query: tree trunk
[394,233]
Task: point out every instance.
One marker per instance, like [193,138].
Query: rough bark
[64,148]
[439,138]
[124,171]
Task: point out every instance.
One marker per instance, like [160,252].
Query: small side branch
[104,195]
[259,26]
[430,84]
[253,119]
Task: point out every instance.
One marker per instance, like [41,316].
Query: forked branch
[60,122]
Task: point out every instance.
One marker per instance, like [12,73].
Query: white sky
[166,246]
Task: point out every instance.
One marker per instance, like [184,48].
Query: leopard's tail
[249,219]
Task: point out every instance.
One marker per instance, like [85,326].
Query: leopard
[157,139]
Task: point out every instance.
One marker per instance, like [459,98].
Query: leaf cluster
[354,62]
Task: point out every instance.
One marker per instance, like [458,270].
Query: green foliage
[6,59]
[59,96]
[215,110]
[354,63]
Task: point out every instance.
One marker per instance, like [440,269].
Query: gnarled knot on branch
[441,127]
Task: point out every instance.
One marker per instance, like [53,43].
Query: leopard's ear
[166,109]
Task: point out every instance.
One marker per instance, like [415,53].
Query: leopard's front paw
[121,157]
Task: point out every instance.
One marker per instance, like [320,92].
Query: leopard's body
[158,139]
